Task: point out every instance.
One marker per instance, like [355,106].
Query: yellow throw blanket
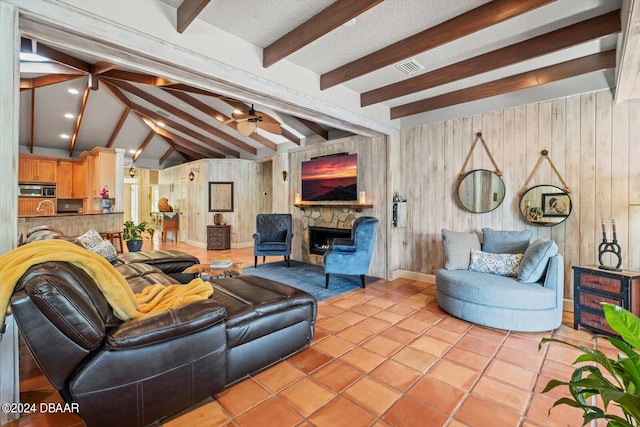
[126,305]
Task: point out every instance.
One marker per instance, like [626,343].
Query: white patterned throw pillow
[500,264]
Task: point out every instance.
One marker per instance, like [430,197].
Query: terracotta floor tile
[523,344]
[395,374]
[398,334]
[242,396]
[562,353]
[455,324]
[355,335]
[331,324]
[403,310]
[430,345]
[454,374]
[334,346]
[443,334]
[209,414]
[279,376]
[478,345]
[557,393]
[329,310]
[408,412]
[320,334]
[306,396]
[341,412]
[338,375]
[349,317]
[347,304]
[309,359]
[414,358]
[381,345]
[269,413]
[467,358]
[374,325]
[365,310]
[511,374]
[418,301]
[488,334]
[528,361]
[373,395]
[388,316]
[475,412]
[561,415]
[426,316]
[382,302]
[413,325]
[438,394]
[501,394]
[565,331]
[362,359]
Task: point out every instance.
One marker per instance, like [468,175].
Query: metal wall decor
[607,247]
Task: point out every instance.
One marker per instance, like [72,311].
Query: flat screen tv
[333,178]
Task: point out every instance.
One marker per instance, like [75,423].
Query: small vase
[106,205]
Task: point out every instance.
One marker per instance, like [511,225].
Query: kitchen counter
[73,223]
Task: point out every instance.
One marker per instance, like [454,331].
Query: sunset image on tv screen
[330,178]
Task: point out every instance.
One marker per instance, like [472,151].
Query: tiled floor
[384,356]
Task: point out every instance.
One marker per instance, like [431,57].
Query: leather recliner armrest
[166,325]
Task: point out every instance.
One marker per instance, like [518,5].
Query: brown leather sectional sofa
[138,372]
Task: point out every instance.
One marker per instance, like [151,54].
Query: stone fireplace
[338,220]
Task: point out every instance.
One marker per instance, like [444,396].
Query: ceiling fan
[251,120]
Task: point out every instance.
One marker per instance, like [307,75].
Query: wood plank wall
[590,139]
[372,170]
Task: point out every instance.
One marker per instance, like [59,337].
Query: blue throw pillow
[535,260]
[457,248]
[505,242]
[500,264]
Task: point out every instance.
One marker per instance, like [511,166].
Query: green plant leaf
[623,322]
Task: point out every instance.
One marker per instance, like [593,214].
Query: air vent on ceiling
[410,66]
[163,113]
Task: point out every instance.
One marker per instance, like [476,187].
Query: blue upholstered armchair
[352,256]
[273,236]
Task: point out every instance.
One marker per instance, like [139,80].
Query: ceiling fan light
[247,128]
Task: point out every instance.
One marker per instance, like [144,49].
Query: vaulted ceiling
[388,64]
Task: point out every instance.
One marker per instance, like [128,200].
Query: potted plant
[133,234]
[617,384]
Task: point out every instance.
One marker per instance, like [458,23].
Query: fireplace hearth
[320,238]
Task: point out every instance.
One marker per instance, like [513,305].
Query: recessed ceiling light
[132,151]
[73,91]
[69,116]
[161,124]
[64,136]
[349,23]
[32,57]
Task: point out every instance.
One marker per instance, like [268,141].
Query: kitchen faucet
[40,209]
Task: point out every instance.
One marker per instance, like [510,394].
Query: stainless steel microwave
[36,190]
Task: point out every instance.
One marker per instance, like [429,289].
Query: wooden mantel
[355,206]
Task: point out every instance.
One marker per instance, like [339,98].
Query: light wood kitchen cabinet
[37,169]
[72,180]
[101,171]
[28,206]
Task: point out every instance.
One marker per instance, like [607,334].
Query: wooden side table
[592,285]
[218,237]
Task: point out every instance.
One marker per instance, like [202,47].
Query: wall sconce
[132,172]
[192,175]
[284,175]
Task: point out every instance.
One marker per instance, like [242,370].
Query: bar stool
[112,237]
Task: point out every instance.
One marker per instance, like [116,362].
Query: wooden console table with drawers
[218,237]
[592,285]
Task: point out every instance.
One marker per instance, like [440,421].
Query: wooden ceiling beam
[186,154]
[190,89]
[49,79]
[328,20]
[38,48]
[178,139]
[130,76]
[562,38]
[101,67]
[462,25]
[117,93]
[144,144]
[187,12]
[116,130]
[166,154]
[316,128]
[184,116]
[212,112]
[76,131]
[526,80]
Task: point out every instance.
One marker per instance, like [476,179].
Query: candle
[297,198]
[362,197]
[604,232]
[613,227]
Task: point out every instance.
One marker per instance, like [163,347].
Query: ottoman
[170,262]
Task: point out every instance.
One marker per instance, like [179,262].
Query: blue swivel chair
[272,237]
[352,256]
